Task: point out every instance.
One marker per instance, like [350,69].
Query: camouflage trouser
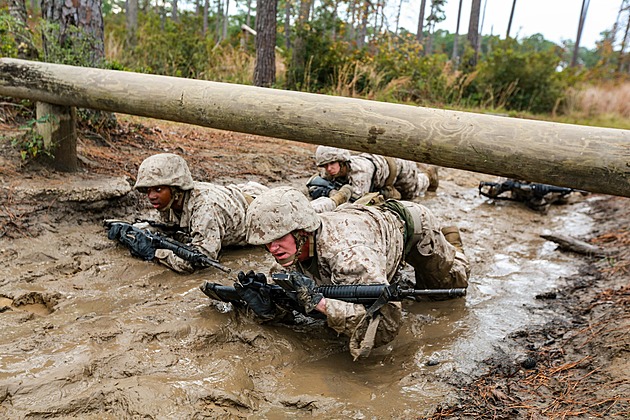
[437,263]
[411,182]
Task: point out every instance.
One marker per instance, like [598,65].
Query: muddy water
[89,332]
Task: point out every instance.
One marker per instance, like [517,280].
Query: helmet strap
[300,239]
[177,196]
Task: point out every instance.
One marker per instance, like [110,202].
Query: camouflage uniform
[213,216]
[373,173]
[359,244]
[369,173]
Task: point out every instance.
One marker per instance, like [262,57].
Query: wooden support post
[57,125]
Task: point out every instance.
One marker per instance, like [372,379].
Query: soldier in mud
[212,216]
[367,173]
[355,244]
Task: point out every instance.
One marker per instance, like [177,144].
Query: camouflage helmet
[164,169]
[326,154]
[277,212]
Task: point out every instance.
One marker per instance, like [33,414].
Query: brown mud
[90,332]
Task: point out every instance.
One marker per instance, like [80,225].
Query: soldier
[213,216]
[367,173]
[355,244]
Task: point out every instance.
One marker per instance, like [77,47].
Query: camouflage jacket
[358,244]
[370,173]
[213,216]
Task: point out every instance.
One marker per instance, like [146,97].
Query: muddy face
[89,330]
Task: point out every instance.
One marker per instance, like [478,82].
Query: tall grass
[605,103]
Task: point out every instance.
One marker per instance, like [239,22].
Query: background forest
[336,47]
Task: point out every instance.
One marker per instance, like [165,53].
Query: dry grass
[602,99]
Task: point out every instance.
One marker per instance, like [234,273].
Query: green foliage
[73,46]
[8,26]
[519,79]
[12,35]
[31,143]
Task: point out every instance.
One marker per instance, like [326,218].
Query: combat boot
[432,174]
[451,233]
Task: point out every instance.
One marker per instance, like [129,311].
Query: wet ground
[90,332]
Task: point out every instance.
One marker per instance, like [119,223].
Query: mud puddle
[122,338]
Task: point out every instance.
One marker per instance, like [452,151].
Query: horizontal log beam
[589,158]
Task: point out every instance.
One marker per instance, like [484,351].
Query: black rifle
[530,190]
[321,187]
[129,234]
[284,295]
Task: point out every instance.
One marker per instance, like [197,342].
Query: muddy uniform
[370,173]
[359,244]
[374,173]
[213,216]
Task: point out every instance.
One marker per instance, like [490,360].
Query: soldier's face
[332,168]
[283,249]
[159,196]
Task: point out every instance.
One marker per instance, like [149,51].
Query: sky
[557,20]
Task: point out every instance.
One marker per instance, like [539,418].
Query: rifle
[538,191]
[283,294]
[321,187]
[143,243]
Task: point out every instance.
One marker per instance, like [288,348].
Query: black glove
[114,231]
[138,243]
[254,290]
[305,289]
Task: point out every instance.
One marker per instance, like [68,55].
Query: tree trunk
[455,56]
[473,32]
[226,19]
[297,66]
[80,34]
[576,47]
[132,23]
[420,33]
[206,12]
[174,11]
[362,32]
[623,57]
[287,25]
[507,34]
[594,159]
[400,5]
[265,70]
[218,28]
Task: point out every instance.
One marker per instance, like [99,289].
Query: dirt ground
[90,332]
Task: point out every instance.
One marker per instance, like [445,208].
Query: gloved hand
[305,289]
[253,289]
[139,244]
[341,196]
[389,192]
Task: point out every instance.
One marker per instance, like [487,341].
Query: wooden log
[568,243]
[588,158]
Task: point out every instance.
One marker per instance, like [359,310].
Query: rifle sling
[393,171]
[374,318]
[408,223]
[248,198]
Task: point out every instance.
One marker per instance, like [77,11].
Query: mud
[90,332]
